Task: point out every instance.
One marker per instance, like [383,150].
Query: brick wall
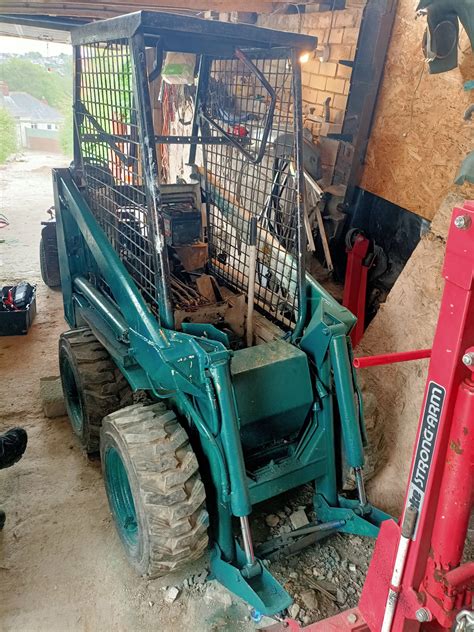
[337,33]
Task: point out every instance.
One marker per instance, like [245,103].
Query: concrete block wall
[337,33]
[339,30]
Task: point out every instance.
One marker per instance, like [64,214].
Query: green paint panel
[273,389]
[262,591]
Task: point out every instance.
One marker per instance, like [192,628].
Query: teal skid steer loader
[194,294]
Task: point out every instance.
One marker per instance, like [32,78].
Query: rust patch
[455,446]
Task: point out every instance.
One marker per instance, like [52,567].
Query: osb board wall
[419,137]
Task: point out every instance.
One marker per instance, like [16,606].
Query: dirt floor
[61,564]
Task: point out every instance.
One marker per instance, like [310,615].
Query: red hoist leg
[415,580]
[355,284]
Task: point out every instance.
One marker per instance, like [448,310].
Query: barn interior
[242,182]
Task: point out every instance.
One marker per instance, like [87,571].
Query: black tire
[92,384]
[155,492]
[49,260]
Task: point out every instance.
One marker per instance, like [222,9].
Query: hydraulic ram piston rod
[408,528]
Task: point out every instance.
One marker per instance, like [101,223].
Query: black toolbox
[17,323]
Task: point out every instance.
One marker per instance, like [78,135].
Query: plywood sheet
[419,137]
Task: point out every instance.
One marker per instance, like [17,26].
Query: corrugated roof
[24,105]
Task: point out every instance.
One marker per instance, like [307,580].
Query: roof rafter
[108,8]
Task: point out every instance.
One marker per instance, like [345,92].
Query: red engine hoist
[360,258]
[416,580]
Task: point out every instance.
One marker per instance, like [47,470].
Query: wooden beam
[108,8]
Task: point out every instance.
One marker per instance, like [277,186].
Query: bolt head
[352,618]
[468,359]
[462,222]
[423,614]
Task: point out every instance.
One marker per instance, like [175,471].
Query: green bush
[65,133]
[8,143]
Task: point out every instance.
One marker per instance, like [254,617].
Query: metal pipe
[247,540]
[242,57]
[151,179]
[230,437]
[456,493]
[391,358]
[108,311]
[408,528]
[251,279]
[359,476]
[460,575]
[322,230]
[203,80]
[348,411]
[299,164]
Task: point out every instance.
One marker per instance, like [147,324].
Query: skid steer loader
[196,294]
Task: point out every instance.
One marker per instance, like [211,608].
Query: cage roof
[190,34]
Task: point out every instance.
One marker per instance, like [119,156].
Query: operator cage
[240,122]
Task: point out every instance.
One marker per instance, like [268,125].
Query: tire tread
[104,388]
[171,491]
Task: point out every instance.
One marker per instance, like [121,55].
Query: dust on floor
[62,566]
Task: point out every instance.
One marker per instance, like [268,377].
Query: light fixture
[304,57]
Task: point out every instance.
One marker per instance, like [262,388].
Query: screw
[256,616]
[423,614]
[468,358]
[352,618]
[462,222]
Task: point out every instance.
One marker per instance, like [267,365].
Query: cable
[332,20]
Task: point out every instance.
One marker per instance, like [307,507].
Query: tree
[8,143]
[22,75]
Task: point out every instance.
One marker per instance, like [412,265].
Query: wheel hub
[120,494]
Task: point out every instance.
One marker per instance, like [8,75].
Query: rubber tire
[167,490]
[49,265]
[93,386]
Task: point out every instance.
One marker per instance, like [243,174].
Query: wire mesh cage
[107,128]
[247,125]
[254,100]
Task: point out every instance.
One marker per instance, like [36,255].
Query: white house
[37,122]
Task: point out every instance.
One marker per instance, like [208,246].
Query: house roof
[24,105]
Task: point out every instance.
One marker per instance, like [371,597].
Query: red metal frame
[391,358]
[355,284]
[434,586]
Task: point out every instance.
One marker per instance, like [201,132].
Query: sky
[20,45]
